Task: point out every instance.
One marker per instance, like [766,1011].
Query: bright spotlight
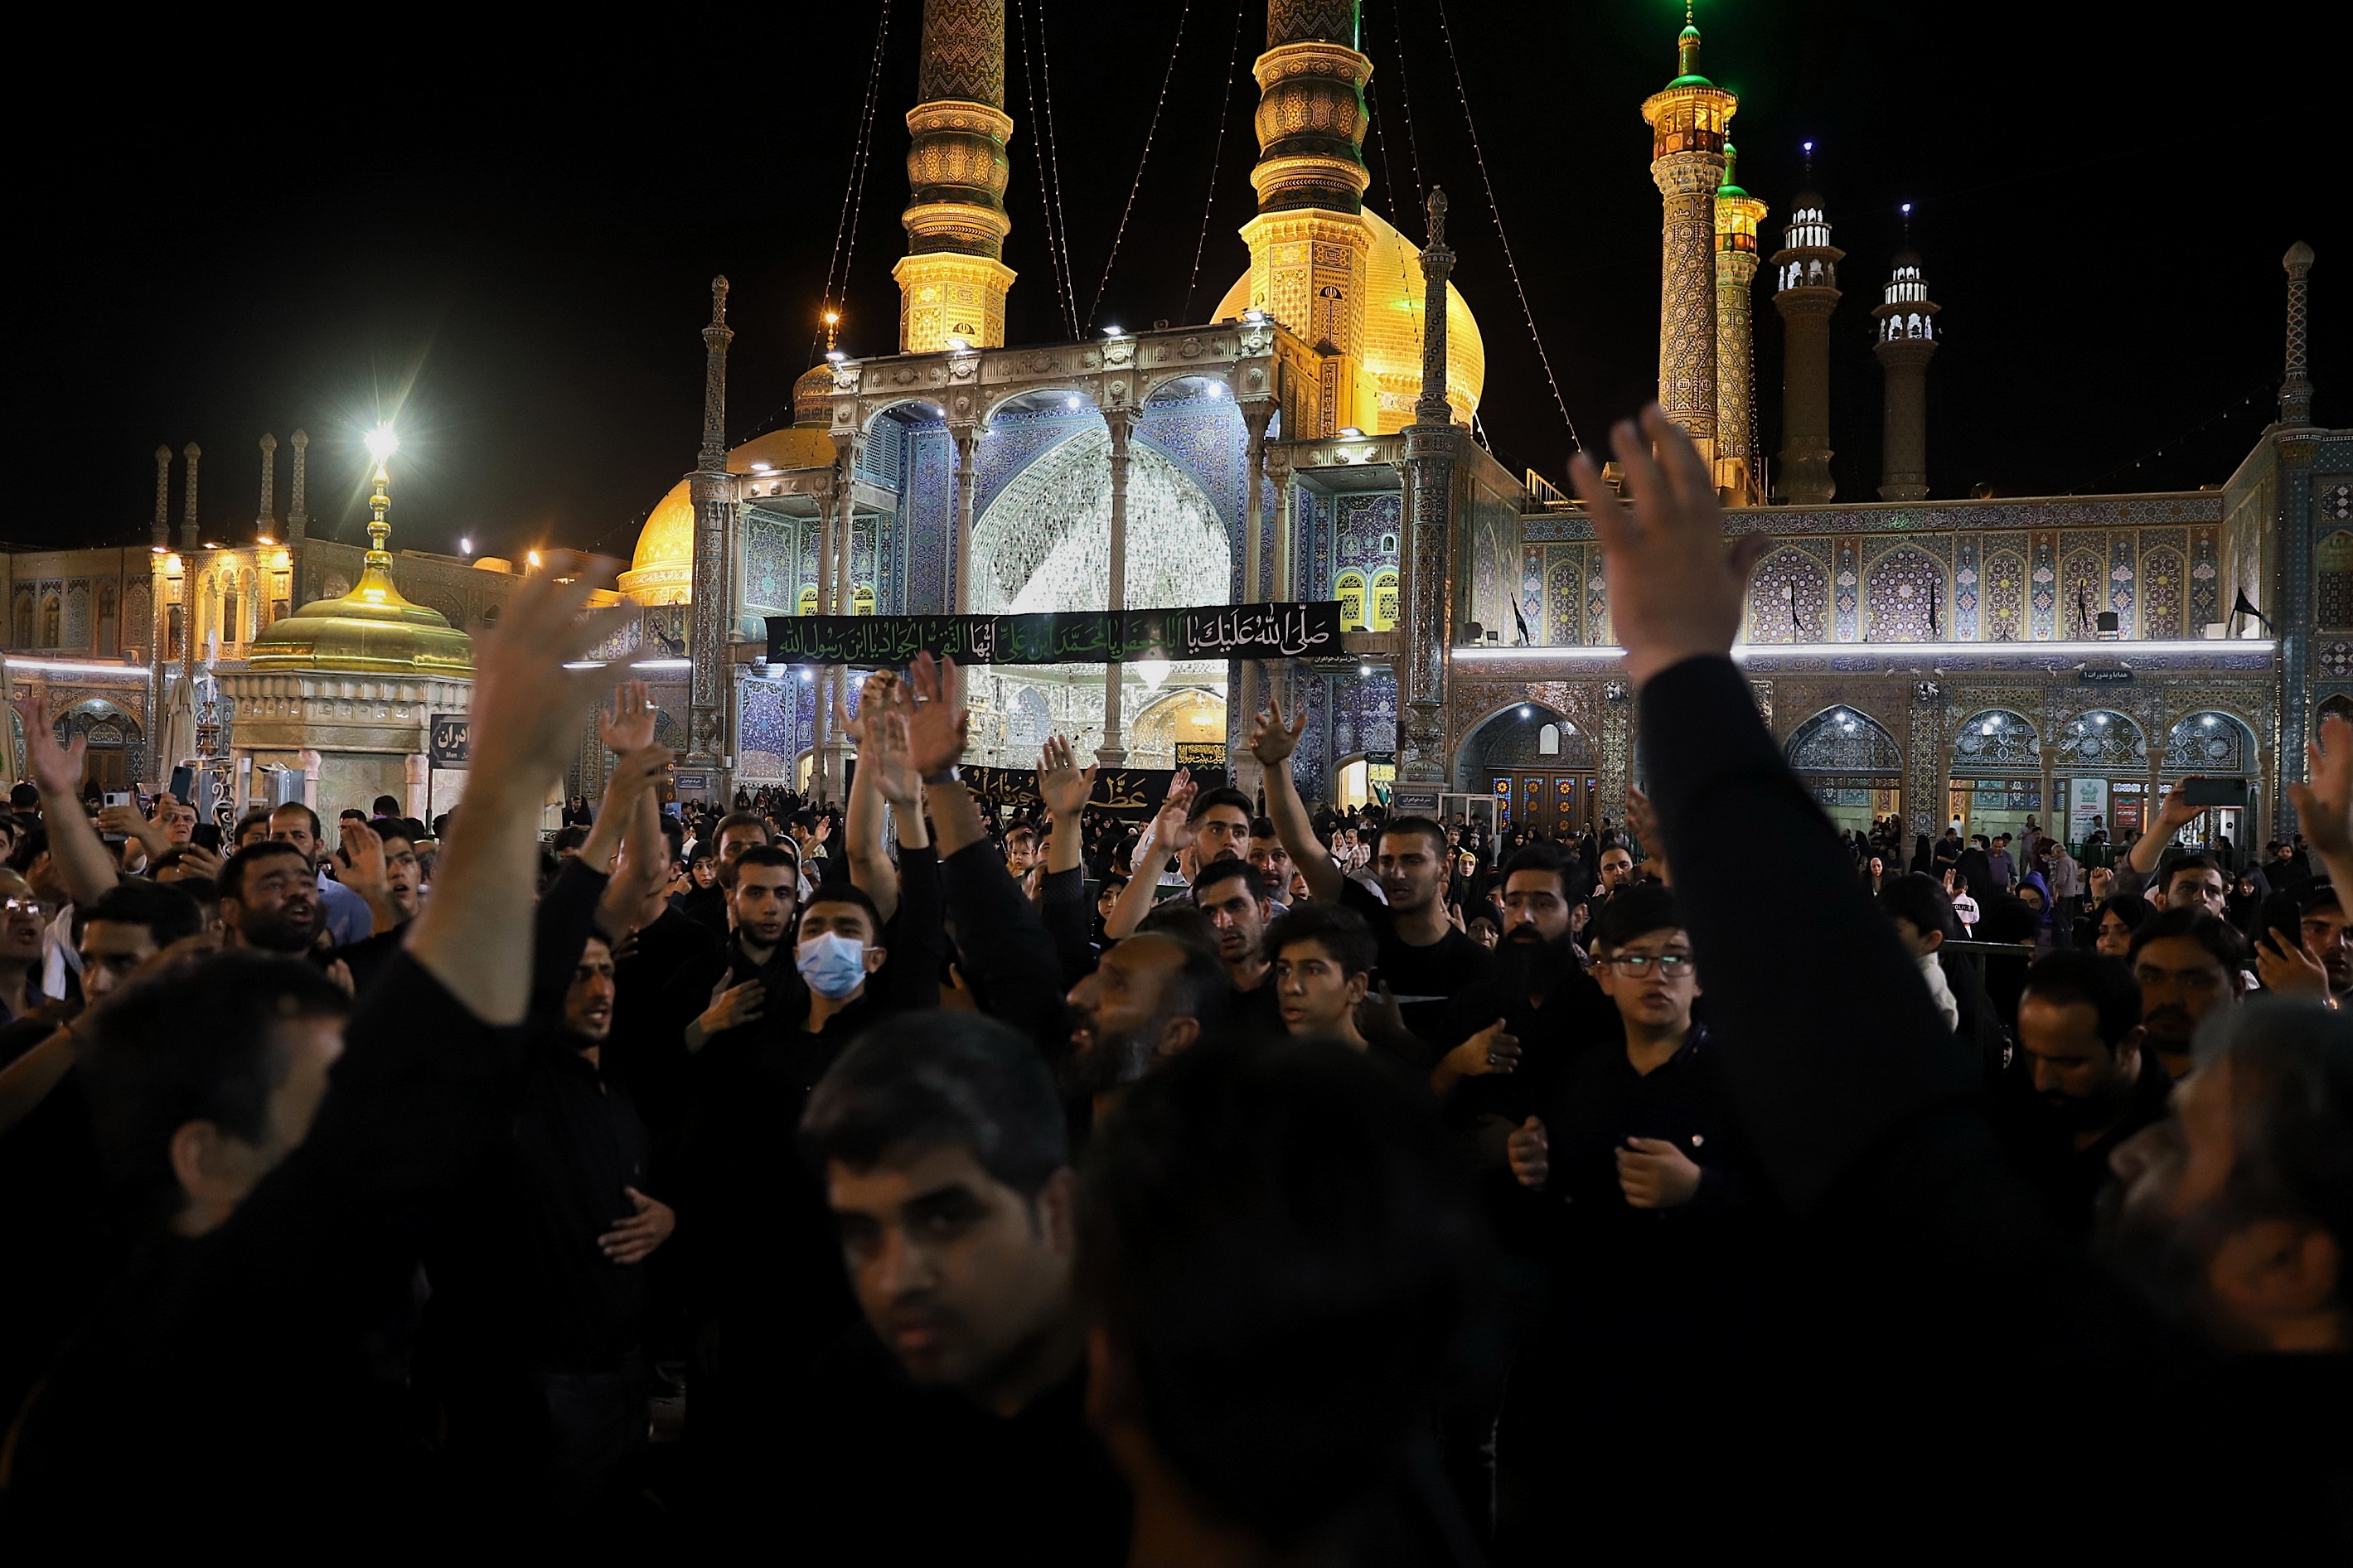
[465,547]
[382,443]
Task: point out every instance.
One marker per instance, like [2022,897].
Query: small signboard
[2087,803]
[1414,800]
[2092,675]
[449,742]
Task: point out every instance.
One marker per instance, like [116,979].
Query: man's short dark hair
[2192,863]
[1201,986]
[233,872]
[765,855]
[1249,876]
[1421,824]
[2080,976]
[1263,828]
[2208,931]
[1636,911]
[1279,1243]
[383,805]
[1919,897]
[842,893]
[166,912]
[927,1080]
[32,843]
[744,819]
[258,815]
[1538,859]
[1339,930]
[1210,799]
[350,813]
[571,838]
[392,827]
[24,797]
[317,832]
[198,1043]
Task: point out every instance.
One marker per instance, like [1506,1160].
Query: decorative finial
[719,301]
[832,327]
[1435,209]
[381,444]
[1809,165]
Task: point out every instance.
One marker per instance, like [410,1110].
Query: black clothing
[1009,955]
[228,1376]
[1435,972]
[371,956]
[1070,915]
[875,1467]
[2068,1180]
[644,1053]
[707,907]
[1257,1012]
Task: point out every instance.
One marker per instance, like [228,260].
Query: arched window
[862,602]
[1548,741]
[1350,591]
[2214,743]
[231,609]
[1997,738]
[109,619]
[2333,585]
[1385,601]
[809,599]
[52,620]
[2103,739]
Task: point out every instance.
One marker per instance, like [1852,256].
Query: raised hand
[626,725]
[364,872]
[2324,806]
[2177,813]
[1062,784]
[54,769]
[936,728]
[527,708]
[1170,831]
[1676,591]
[1272,741]
[2290,971]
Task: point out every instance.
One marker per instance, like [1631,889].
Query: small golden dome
[1390,377]
[661,570]
[813,395]
[370,630]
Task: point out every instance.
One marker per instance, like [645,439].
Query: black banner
[1123,792]
[1288,630]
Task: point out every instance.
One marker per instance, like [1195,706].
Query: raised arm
[1136,899]
[475,934]
[937,730]
[2325,806]
[2148,850]
[1271,743]
[82,860]
[871,870]
[644,864]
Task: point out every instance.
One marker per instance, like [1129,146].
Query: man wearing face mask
[775,1008]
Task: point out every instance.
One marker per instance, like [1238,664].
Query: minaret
[189,537]
[1907,340]
[1737,214]
[161,536]
[2295,387]
[708,743]
[1688,119]
[298,521]
[1805,272]
[952,279]
[1310,250]
[1430,442]
[265,525]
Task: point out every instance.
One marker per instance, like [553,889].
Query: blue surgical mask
[833,965]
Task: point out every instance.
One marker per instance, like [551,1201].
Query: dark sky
[509,237]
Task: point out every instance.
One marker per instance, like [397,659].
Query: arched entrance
[1850,765]
[2215,745]
[115,742]
[1997,778]
[1537,764]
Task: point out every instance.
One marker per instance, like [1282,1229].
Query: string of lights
[2262,389]
[1053,150]
[1404,96]
[1575,441]
[1216,152]
[1057,252]
[1174,50]
[853,194]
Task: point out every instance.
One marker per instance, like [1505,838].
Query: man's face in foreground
[959,1273]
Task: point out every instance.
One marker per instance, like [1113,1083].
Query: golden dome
[662,572]
[813,395]
[370,630]
[1389,378]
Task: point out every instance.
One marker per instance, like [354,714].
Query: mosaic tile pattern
[2205,579]
[1968,588]
[2122,580]
[2082,594]
[1845,589]
[2207,743]
[2043,585]
[1997,738]
[926,507]
[2162,577]
[1904,587]
[1788,599]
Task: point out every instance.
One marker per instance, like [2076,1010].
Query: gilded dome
[1390,377]
[662,572]
[370,630]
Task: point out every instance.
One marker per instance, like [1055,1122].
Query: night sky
[509,239]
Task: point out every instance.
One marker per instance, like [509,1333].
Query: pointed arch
[1789,598]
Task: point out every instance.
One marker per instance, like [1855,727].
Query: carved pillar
[1427,584]
[967,448]
[159,536]
[298,518]
[714,516]
[1113,753]
[265,522]
[189,539]
[1255,415]
[2295,385]
[1278,469]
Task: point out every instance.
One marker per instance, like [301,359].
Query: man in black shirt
[1236,898]
[940,1142]
[2079,1029]
[1424,959]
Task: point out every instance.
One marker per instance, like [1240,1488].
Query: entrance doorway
[1545,801]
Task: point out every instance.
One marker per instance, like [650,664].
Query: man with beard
[1516,1029]
[2306,948]
[1238,904]
[343,912]
[737,831]
[940,1142]
[2189,963]
[269,899]
[1272,861]
[1148,999]
[2079,1027]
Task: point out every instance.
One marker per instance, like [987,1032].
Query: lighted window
[1350,591]
[1385,601]
[1548,741]
[862,602]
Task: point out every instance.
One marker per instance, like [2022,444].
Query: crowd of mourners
[1255,1183]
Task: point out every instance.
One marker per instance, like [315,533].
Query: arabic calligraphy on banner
[1121,792]
[1288,630]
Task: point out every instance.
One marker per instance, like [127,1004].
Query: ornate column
[189,539]
[1907,340]
[953,281]
[298,519]
[967,448]
[1688,119]
[159,616]
[1255,417]
[1113,753]
[1738,215]
[714,518]
[265,522]
[1426,585]
[2295,385]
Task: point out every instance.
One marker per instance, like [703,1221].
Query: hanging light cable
[1217,151]
[1165,77]
[1405,94]
[1047,208]
[1053,154]
[1497,214]
[853,193]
